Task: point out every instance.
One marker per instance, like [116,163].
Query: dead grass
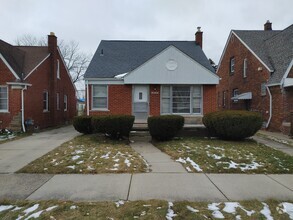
[152,209]
[217,156]
[89,154]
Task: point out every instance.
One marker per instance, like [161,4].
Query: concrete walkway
[145,186]
[16,154]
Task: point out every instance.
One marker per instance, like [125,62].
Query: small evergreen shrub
[116,126]
[232,124]
[165,127]
[83,124]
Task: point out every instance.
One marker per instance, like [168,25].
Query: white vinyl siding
[181,99]
[99,97]
[3,99]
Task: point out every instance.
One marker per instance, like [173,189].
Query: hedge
[165,127]
[232,124]
[83,124]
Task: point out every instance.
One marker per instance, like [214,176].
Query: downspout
[22,109]
[87,99]
[271,107]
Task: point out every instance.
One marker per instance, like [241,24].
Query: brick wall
[14,103]
[155,100]
[256,75]
[119,100]
[209,99]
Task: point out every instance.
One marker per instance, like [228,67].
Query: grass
[152,209]
[217,156]
[89,154]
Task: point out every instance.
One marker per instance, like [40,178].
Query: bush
[232,124]
[83,124]
[165,127]
[116,126]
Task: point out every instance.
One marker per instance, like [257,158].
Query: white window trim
[65,100]
[47,101]
[245,68]
[57,101]
[6,110]
[191,101]
[58,69]
[92,100]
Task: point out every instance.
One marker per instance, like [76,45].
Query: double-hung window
[99,97]
[58,69]
[65,103]
[232,65]
[181,99]
[245,68]
[45,101]
[3,99]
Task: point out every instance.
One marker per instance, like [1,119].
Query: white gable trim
[9,67]
[36,67]
[227,42]
[212,77]
[288,70]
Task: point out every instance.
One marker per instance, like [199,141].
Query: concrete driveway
[16,154]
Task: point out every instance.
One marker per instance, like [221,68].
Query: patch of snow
[80,162]
[180,160]
[188,169]
[106,156]
[75,157]
[241,166]
[71,167]
[252,166]
[119,203]
[116,165]
[143,213]
[127,162]
[216,210]
[147,205]
[31,209]
[114,169]
[266,212]
[73,207]
[90,168]
[51,208]
[170,214]
[53,161]
[78,151]
[192,209]
[288,208]
[116,160]
[194,165]
[5,207]
[120,76]
[16,209]
[159,207]
[35,215]
[45,168]
[214,156]
[238,217]
[230,207]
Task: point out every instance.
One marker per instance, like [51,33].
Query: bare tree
[76,61]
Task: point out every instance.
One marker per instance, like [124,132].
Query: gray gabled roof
[274,48]
[117,57]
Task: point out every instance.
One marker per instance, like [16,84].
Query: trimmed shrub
[83,124]
[165,127]
[116,126]
[232,124]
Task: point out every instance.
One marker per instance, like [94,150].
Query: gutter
[271,107]
[87,98]
[22,109]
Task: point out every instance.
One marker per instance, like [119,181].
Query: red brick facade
[256,75]
[44,78]
[120,100]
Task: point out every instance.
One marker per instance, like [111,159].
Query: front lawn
[218,156]
[152,209]
[89,154]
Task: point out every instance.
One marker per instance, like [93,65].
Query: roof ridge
[281,31]
[149,40]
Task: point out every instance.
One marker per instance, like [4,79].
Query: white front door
[140,106]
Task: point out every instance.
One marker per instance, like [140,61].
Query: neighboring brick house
[35,86]
[256,74]
[144,78]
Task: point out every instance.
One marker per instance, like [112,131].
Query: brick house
[256,74]
[35,86]
[144,78]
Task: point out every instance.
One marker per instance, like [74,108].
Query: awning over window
[243,96]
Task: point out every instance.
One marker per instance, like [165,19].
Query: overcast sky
[89,21]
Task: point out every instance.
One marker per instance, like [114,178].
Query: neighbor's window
[3,98]
[181,99]
[57,101]
[58,69]
[100,97]
[224,99]
[45,101]
[232,65]
[263,89]
[245,68]
[65,103]
[235,93]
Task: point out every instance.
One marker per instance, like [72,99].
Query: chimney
[268,26]
[198,37]
[52,42]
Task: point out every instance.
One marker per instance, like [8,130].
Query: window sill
[100,110]
[46,111]
[7,112]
